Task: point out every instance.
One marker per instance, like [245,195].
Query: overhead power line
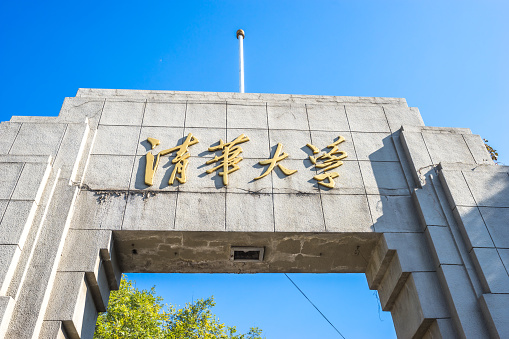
[305,296]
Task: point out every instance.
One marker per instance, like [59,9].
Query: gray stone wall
[421,210]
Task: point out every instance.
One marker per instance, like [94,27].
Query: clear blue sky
[450,59]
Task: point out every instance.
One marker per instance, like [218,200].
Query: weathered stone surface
[249,212]
[243,180]
[462,302]
[243,116]
[367,119]
[478,149]
[38,139]
[384,178]
[6,307]
[473,228]
[347,213]
[491,270]
[200,211]
[122,113]
[9,256]
[496,221]
[164,114]
[489,189]
[99,210]
[349,181]
[456,188]
[294,142]
[8,130]
[109,172]
[322,139]
[150,211]
[209,115]
[443,247]
[207,137]
[374,146]
[32,181]
[386,209]
[494,307]
[327,118]
[456,150]
[300,182]
[287,116]
[290,216]
[398,115]
[9,178]
[429,207]
[117,140]
[16,222]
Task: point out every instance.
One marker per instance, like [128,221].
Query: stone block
[494,307]
[476,146]
[8,131]
[245,116]
[116,140]
[102,210]
[347,213]
[490,270]
[200,212]
[6,308]
[9,257]
[122,113]
[413,251]
[441,329]
[456,188]
[419,303]
[416,153]
[488,188]
[207,115]
[349,181]
[322,139]
[71,302]
[164,114]
[455,151]
[442,245]
[504,256]
[298,213]
[367,119]
[168,136]
[374,146]
[162,175]
[380,259]
[287,116]
[462,301]
[327,118]
[496,221]
[258,144]
[150,211]
[207,137]
[398,115]
[9,178]
[243,181]
[16,223]
[300,182]
[32,182]
[38,139]
[109,172]
[77,140]
[384,178]
[53,329]
[429,207]
[75,110]
[249,212]
[391,284]
[393,214]
[293,141]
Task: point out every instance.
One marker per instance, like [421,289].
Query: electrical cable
[305,296]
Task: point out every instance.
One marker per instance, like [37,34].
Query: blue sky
[447,58]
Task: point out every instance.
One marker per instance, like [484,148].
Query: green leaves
[140,314]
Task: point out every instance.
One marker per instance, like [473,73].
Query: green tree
[141,314]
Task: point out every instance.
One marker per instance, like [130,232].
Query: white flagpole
[240,33]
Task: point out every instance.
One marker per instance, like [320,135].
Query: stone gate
[161,181]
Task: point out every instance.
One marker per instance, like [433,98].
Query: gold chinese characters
[181,160]
[229,159]
[329,160]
